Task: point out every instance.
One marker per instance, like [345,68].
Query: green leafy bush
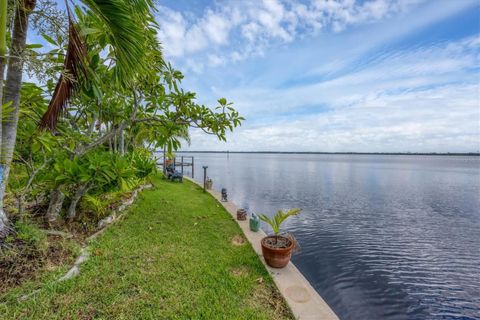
[124,173]
[143,163]
[95,205]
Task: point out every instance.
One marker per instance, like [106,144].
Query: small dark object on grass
[224,195]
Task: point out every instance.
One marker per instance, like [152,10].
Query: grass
[172,257]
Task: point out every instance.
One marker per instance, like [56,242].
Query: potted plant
[209,184]
[277,248]
[241,214]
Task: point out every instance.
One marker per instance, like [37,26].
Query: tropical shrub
[111,106]
[143,162]
[95,205]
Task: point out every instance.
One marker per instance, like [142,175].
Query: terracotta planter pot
[276,257]
[241,214]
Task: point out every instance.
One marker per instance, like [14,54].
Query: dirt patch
[24,260]
[266,296]
[21,261]
[87,313]
[238,272]
[17,263]
[238,240]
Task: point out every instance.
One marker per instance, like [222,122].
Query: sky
[332,76]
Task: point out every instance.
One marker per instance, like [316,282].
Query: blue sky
[320,75]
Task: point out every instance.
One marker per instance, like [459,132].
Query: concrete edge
[302,298]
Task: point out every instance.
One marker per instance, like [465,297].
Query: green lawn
[170,258]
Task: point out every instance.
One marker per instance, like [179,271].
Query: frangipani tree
[114,95]
[124,23]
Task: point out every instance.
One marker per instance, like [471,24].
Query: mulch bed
[22,261]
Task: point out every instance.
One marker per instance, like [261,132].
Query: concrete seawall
[305,302]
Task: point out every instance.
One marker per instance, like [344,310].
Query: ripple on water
[382,237]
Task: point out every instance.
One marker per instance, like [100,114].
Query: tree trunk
[56,202]
[14,82]
[122,142]
[79,193]
[164,161]
[4,229]
[3,48]
[3,61]
[115,149]
[11,93]
[20,201]
[92,125]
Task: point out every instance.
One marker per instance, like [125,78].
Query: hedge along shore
[174,255]
[303,299]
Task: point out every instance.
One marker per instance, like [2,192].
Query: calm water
[382,237]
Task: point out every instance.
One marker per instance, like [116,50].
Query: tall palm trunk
[11,93]
[3,60]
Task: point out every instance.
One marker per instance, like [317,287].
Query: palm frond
[74,66]
[184,134]
[125,22]
[125,26]
[279,218]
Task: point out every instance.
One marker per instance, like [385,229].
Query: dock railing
[181,162]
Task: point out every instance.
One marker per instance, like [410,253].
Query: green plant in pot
[277,248]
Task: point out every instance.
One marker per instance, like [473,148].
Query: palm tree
[123,23]
[11,89]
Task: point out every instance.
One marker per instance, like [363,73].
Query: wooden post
[193,170]
[205,178]
[164,161]
[182,165]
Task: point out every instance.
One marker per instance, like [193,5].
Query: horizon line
[340,152]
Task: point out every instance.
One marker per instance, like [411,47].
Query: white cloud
[250,31]
[419,100]
[439,65]
[215,60]
[337,91]
[263,23]
[172,33]
[216,26]
[439,120]
[179,37]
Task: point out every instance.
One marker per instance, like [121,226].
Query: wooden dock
[180,164]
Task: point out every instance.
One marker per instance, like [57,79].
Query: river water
[382,237]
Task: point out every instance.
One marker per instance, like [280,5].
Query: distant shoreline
[344,153]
